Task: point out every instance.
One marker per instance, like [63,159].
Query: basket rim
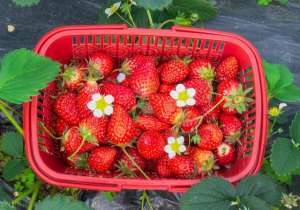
[59,179]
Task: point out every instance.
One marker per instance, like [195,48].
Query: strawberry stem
[77,150]
[214,107]
[134,163]
[49,132]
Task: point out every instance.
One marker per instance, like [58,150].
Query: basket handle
[192,30]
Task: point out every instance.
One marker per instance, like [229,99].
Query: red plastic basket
[65,43]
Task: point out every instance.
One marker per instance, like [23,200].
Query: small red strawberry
[182,167]
[165,108]
[211,112]
[210,136]
[102,159]
[191,119]
[203,90]
[164,88]
[73,76]
[163,167]
[122,95]
[174,71]
[151,145]
[227,69]
[93,127]
[84,96]
[66,108]
[225,154]
[131,64]
[231,127]
[74,144]
[102,63]
[202,69]
[121,128]
[235,98]
[149,122]
[204,160]
[61,126]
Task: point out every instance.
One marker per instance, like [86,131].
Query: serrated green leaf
[203,8]
[13,168]
[25,3]
[286,77]
[153,4]
[260,186]
[12,144]
[290,93]
[60,202]
[268,171]
[254,203]
[285,158]
[23,73]
[272,76]
[211,193]
[295,128]
[4,205]
[3,195]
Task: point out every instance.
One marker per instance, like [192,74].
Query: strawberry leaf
[254,203]
[290,93]
[211,193]
[153,5]
[23,73]
[295,128]
[3,195]
[268,171]
[272,75]
[25,3]
[60,202]
[12,144]
[285,157]
[4,205]
[13,168]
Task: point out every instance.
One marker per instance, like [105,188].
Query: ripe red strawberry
[182,166]
[66,107]
[165,108]
[102,63]
[144,81]
[202,69]
[61,126]
[174,71]
[210,116]
[121,128]
[149,122]
[210,136]
[228,69]
[235,98]
[191,119]
[131,64]
[93,127]
[72,141]
[163,167]
[204,160]
[122,95]
[151,145]
[203,89]
[102,159]
[225,154]
[73,76]
[164,88]
[231,127]
[84,96]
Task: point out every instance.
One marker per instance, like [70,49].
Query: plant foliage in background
[267,2]
[25,3]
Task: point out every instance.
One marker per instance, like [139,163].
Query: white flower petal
[117,4]
[108,110]
[191,92]
[108,12]
[180,139]
[182,148]
[171,140]
[98,113]
[109,99]
[191,102]
[167,149]
[133,2]
[121,77]
[282,105]
[92,105]
[171,154]
[174,94]
[180,103]
[96,96]
[180,88]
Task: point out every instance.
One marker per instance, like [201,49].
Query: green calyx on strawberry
[79,161]
[87,135]
[225,154]
[124,170]
[207,73]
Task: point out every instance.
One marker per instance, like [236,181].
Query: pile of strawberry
[178,118]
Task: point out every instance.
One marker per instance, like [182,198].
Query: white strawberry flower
[133,2]
[101,105]
[175,146]
[121,77]
[282,105]
[112,9]
[183,96]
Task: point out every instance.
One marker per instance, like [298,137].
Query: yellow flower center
[175,147]
[274,111]
[101,104]
[114,8]
[183,96]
